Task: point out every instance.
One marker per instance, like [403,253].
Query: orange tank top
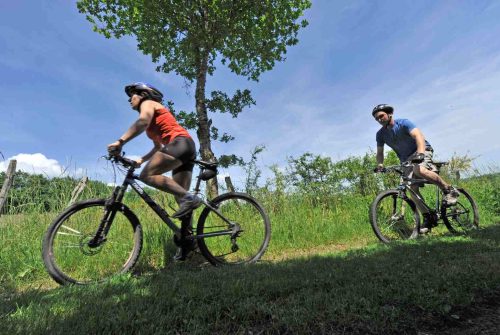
[164,128]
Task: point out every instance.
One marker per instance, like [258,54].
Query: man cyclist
[410,145]
[173,150]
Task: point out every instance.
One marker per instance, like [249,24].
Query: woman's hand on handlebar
[138,162]
[115,148]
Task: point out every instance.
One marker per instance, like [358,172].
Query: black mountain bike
[95,239]
[395,216]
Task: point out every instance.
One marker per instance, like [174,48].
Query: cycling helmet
[382,108]
[139,87]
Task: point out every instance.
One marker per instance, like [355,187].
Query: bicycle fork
[107,219]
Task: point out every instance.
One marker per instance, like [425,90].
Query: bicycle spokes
[79,252]
[392,218]
[238,233]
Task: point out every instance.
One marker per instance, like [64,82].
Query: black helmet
[382,108]
[139,87]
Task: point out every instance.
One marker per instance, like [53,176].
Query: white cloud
[37,164]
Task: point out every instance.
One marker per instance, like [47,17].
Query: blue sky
[437,62]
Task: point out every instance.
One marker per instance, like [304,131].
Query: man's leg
[450,193]
[430,176]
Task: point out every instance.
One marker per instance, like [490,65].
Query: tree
[253,173]
[189,36]
[310,173]
[458,164]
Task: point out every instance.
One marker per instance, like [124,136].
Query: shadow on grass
[433,285]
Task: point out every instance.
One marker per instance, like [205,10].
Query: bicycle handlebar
[399,168]
[394,168]
[126,162]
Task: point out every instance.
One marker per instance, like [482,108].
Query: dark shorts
[184,149]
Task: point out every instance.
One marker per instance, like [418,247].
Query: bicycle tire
[242,209]
[457,218]
[389,219]
[67,255]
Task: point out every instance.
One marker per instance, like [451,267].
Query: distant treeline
[308,175]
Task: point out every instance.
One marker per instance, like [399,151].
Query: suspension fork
[108,216]
[402,195]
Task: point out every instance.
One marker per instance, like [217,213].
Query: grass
[324,272]
[429,285]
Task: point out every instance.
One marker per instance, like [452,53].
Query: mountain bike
[92,240]
[395,216]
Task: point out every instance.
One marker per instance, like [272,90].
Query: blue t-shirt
[399,138]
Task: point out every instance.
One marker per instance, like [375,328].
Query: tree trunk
[203,131]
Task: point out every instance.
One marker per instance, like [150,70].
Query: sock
[189,196]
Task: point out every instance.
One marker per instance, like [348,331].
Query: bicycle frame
[405,185]
[117,198]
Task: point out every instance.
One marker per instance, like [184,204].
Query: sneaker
[187,204]
[181,255]
[426,224]
[183,252]
[450,196]
[424,230]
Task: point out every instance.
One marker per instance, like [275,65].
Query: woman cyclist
[173,150]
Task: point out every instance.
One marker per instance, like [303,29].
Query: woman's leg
[183,179]
[152,174]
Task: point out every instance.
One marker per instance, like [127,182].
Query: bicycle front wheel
[71,258]
[463,216]
[393,217]
[244,227]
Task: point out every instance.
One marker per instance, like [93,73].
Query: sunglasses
[133,93]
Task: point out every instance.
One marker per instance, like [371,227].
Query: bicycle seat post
[198,181]
[207,171]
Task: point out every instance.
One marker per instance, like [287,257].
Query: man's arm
[417,135]
[380,156]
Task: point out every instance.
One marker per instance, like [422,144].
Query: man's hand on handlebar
[417,157]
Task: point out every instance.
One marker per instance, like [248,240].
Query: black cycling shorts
[184,149]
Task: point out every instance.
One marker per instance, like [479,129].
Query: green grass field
[324,272]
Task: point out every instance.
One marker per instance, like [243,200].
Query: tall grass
[300,222]
[304,285]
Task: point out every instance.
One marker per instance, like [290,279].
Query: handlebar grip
[379,170]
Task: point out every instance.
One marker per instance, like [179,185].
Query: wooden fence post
[78,189]
[9,178]
[229,184]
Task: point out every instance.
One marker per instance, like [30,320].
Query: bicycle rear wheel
[248,222]
[69,257]
[393,217]
[463,216]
